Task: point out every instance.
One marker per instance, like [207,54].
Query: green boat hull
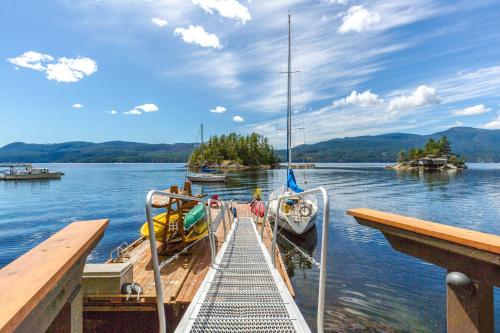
[194,216]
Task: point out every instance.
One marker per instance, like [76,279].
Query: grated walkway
[243,292]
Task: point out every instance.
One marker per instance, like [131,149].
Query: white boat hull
[207,178]
[282,223]
[293,221]
[32,176]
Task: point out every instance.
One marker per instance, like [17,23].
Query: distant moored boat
[26,171]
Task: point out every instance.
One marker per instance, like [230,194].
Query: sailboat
[206,175]
[295,214]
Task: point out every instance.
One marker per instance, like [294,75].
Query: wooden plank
[183,277]
[467,237]
[39,270]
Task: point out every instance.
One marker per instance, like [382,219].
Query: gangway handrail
[324,247]
[154,251]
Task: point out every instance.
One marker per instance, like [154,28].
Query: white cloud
[113,112]
[494,124]
[358,18]
[64,70]
[422,96]
[133,112]
[226,8]
[364,99]
[464,85]
[221,69]
[198,35]
[77,106]
[159,22]
[218,109]
[147,108]
[32,60]
[71,70]
[139,109]
[337,2]
[458,123]
[472,110]
[238,119]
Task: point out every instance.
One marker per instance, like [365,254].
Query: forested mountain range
[105,152]
[476,145]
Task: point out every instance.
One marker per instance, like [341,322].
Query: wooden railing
[41,290]
[471,258]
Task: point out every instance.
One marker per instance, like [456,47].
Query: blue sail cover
[292,183]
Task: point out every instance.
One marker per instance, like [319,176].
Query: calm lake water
[370,285]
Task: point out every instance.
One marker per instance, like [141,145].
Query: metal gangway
[243,291]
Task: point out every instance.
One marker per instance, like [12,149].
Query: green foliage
[402,157]
[439,148]
[250,150]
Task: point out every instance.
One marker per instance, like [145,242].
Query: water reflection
[432,178]
[370,286]
[292,248]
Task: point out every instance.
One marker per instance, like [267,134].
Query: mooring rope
[169,260]
[307,256]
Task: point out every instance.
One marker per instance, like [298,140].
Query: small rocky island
[436,155]
[234,152]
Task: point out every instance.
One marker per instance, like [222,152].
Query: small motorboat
[207,178]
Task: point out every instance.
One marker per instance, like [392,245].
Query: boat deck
[182,277]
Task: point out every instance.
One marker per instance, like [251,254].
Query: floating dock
[181,278]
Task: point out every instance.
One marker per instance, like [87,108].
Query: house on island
[433,162]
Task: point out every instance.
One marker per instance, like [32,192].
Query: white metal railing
[226,207]
[152,240]
[324,244]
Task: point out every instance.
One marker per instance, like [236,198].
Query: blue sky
[151,71]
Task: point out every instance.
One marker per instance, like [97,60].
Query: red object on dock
[214,204]
[258,208]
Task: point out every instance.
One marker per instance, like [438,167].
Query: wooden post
[470,309]
[76,306]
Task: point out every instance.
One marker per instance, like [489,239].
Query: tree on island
[251,150]
[439,148]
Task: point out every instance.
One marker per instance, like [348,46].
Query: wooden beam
[32,279]
[467,237]
[472,254]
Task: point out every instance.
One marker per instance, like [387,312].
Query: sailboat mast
[289,99]
[201,130]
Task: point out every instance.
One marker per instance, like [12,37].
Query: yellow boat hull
[199,230]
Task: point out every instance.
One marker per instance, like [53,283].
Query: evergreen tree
[402,156]
[249,150]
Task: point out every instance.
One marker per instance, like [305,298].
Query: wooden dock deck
[181,278]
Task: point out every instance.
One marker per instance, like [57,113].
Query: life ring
[305,210]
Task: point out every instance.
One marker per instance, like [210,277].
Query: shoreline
[406,167]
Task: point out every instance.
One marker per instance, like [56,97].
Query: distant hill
[476,145]
[105,152]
